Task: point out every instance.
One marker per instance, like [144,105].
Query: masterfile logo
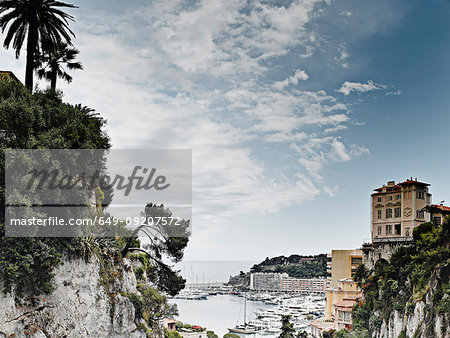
[73,192]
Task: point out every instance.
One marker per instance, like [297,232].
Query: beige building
[342,264]
[346,288]
[398,208]
[343,318]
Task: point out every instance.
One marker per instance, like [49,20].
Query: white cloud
[299,75]
[348,87]
[168,76]
[343,55]
[396,92]
[346,13]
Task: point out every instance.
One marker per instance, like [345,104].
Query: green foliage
[342,334]
[31,121]
[153,306]
[287,328]
[292,266]
[171,334]
[230,335]
[399,284]
[162,244]
[211,334]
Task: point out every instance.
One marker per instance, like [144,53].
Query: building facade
[270,281]
[266,281]
[397,208]
[342,264]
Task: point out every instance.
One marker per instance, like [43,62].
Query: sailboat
[243,329]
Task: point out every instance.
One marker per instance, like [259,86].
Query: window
[379,230]
[341,315]
[420,214]
[388,229]
[420,193]
[389,213]
[398,229]
[398,212]
[407,232]
[407,194]
[379,199]
[379,213]
[398,197]
[347,315]
[390,198]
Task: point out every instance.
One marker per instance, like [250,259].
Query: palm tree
[38,21]
[52,60]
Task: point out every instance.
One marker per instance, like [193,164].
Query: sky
[294,110]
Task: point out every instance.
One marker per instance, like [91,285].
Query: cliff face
[422,320]
[79,306]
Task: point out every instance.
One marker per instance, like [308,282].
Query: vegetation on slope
[415,273]
[294,266]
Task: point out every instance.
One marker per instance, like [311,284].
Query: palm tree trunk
[53,80]
[31,53]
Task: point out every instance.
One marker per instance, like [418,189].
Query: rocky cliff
[422,319]
[79,306]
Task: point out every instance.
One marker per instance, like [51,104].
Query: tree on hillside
[51,63]
[166,239]
[37,21]
[39,121]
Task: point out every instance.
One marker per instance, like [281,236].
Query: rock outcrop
[79,306]
[423,321]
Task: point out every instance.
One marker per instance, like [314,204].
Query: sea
[201,272]
[219,312]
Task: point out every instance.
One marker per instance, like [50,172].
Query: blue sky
[295,110]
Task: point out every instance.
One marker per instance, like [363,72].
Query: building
[307,285]
[343,312]
[342,264]
[266,281]
[319,326]
[346,288]
[270,281]
[397,208]
[170,324]
[438,212]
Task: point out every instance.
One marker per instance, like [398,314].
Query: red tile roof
[407,182]
[441,207]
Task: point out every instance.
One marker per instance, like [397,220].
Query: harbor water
[219,312]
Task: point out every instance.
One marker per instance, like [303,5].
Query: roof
[8,74]
[354,297]
[323,324]
[411,181]
[345,305]
[397,187]
[441,207]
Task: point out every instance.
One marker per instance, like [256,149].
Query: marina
[249,315]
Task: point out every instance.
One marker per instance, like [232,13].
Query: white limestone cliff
[79,306]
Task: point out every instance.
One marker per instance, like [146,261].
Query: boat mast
[245,308]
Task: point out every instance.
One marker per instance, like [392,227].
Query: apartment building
[397,208]
[266,281]
[307,285]
[342,264]
[269,281]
